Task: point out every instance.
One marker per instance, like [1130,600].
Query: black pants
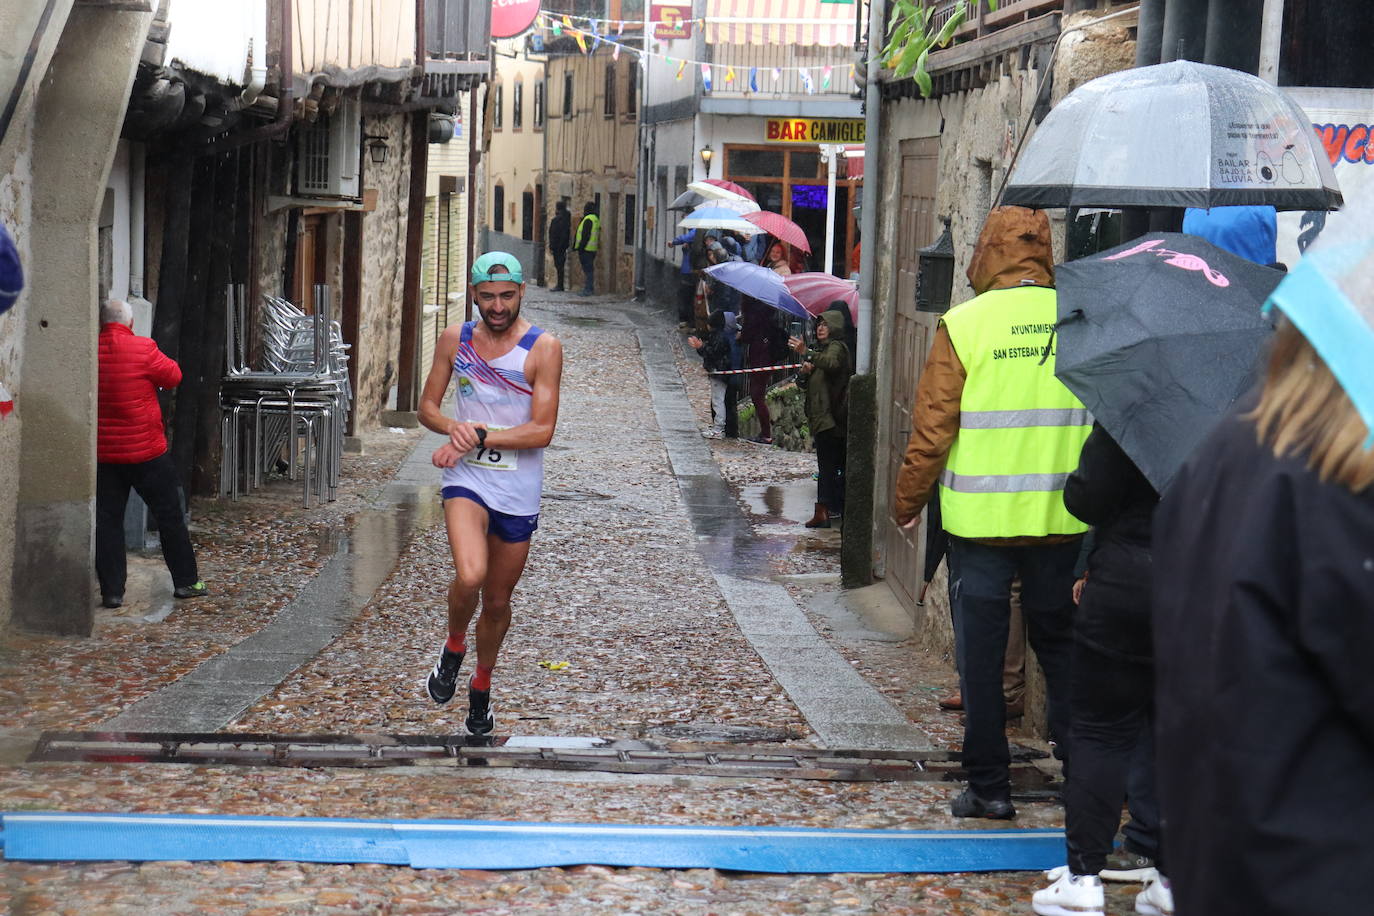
[560,264]
[830,470]
[731,407]
[686,298]
[588,261]
[156,483]
[980,593]
[1111,710]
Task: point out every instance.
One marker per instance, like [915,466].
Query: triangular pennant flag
[620,30]
[807,83]
[729,74]
[615,53]
[567,23]
[825,78]
[681,67]
[597,35]
[556,27]
[581,40]
[753,79]
[706,77]
[777,74]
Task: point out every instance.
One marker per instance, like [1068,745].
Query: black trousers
[830,469]
[1111,707]
[588,261]
[156,483]
[560,264]
[980,593]
[686,298]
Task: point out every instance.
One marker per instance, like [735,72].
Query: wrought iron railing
[775,69]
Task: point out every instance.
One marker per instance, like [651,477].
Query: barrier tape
[759,369]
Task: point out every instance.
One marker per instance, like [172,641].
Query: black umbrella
[1157,338]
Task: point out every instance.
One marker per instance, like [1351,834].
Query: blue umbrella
[1329,296]
[763,284]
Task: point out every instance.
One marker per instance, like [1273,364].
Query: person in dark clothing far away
[686,278]
[131,451]
[586,244]
[1263,619]
[1112,693]
[827,368]
[756,340]
[716,356]
[560,234]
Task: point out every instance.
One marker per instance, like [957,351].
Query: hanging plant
[911,36]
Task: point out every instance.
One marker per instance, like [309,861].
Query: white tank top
[498,394]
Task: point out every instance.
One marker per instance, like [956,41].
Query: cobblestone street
[662,607]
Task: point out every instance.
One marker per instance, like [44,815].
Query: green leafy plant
[911,36]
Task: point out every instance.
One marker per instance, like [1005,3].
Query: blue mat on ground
[59,836]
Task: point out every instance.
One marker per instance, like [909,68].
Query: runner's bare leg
[505,565]
[467,539]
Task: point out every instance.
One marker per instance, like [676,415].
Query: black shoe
[480,721]
[111,600]
[191,591]
[443,680]
[969,804]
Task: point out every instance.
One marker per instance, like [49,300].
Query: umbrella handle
[1075,315]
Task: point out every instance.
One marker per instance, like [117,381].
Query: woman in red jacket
[131,451]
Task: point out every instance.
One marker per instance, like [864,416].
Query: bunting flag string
[563,24]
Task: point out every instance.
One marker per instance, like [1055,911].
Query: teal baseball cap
[482,267]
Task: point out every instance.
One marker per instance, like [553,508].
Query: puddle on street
[789,501]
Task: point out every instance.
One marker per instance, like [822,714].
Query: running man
[505,407]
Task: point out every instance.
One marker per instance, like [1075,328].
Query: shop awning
[780,22]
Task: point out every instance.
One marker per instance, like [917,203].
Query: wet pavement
[669,572]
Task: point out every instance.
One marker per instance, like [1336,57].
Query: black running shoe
[443,680]
[480,720]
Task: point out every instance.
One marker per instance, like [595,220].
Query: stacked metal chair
[296,402]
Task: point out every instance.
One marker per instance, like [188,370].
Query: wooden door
[904,550]
[310,261]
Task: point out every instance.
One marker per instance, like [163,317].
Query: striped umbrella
[779,226]
[719,189]
[815,290]
[721,214]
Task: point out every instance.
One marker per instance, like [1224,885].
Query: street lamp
[376,148]
[706,154]
[935,274]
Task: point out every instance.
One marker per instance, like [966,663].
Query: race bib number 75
[493,459]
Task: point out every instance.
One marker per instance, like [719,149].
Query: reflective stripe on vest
[1020,430]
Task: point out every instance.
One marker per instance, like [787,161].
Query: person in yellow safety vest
[586,243]
[1000,434]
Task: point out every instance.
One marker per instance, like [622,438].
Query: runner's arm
[544,369]
[431,411]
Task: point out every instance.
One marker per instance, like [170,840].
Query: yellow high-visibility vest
[592,223]
[1020,430]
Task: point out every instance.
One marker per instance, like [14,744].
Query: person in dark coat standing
[560,235]
[131,451]
[1263,619]
[756,339]
[1111,694]
[827,367]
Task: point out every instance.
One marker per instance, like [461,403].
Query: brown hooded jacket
[1014,249]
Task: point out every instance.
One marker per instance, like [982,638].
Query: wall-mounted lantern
[706,154]
[376,148]
[935,274]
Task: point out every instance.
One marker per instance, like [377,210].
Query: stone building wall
[383,268]
[15,214]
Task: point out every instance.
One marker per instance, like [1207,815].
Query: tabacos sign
[814,130]
[671,21]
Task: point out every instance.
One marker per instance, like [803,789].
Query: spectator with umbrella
[756,338]
[1264,614]
[826,369]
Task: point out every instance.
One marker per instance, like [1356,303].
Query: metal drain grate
[600,755]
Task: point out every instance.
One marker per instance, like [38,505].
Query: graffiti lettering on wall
[1347,142]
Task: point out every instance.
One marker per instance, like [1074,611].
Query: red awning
[854,161]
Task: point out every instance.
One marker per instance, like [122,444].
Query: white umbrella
[710,190]
[1180,134]
[722,214]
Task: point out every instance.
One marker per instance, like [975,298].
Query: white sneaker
[713,433]
[1157,899]
[1070,895]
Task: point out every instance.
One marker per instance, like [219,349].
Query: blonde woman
[1263,631]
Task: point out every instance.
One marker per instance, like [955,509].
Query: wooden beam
[1000,42]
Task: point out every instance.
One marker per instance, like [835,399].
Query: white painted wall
[118,185]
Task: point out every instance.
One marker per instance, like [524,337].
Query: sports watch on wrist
[481,436]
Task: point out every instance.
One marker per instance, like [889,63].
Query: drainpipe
[868,254]
[136,204]
[1271,40]
[257,78]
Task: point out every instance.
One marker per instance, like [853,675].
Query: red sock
[457,643]
[481,678]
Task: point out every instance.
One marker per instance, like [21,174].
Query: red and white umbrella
[816,290]
[719,189]
[779,226]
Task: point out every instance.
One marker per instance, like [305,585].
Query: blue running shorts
[513,529]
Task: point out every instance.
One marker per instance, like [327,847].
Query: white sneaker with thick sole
[1070,895]
[1156,900]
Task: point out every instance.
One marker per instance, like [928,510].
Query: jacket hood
[1014,249]
[834,321]
[1250,232]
